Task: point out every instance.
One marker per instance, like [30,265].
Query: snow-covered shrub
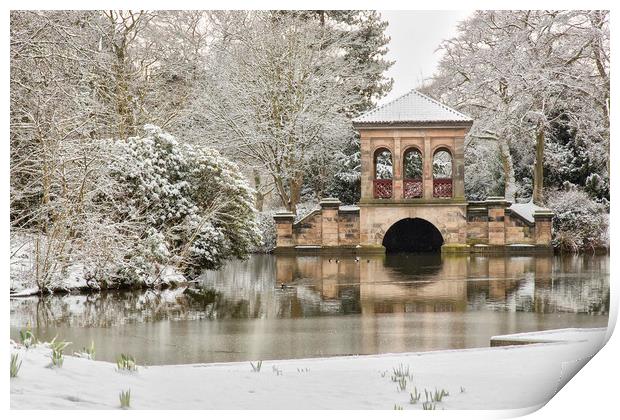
[579,222]
[267,226]
[484,175]
[596,186]
[134,212]
[195,206]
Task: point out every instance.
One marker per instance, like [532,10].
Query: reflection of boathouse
[413,197]
[445,283]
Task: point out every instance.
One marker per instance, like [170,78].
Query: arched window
[442,174]
[412,169]
[384,172]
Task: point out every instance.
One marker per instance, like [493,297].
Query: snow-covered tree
[523,75]
[364,50]
[278,97]
[345,183]
[196,207]
[484,173]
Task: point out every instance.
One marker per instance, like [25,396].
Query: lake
[281,307]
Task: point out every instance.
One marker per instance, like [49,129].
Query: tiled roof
[412,107]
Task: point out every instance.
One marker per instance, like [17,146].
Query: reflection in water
[330,306]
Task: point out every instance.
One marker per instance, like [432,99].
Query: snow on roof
[412,107]
[349,208]
[526,210]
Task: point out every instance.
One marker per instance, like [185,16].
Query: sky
[415,37]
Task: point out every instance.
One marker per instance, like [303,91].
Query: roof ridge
[401,102]
[385,104]
[441,104]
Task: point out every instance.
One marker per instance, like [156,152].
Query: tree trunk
[510,184]
[537,194]
[259,196]
[295,194]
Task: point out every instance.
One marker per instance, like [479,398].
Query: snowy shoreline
[85,290]
[74,277]
[517,377]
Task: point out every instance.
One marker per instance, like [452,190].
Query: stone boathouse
[413,193]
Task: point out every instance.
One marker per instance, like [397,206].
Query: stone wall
[477,225]
[307,231]
[544,225]
[449,219]
[492,222]
[463,226]
[518,230]
[332,225]
[284,230]
[349,226]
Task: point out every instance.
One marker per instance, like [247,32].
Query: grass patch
[27,338]
[401,375]
[437,396]
[402,371]
[414,396]
[89,351]
[15,364]
[57,355]
[427,405]
[256,367]
[126,362]
[125,399]
[401,384]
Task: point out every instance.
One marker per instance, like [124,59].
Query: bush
[267,227]
[580,223]
[135,212]
[195,206]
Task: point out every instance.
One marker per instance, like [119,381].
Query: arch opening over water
[412,235]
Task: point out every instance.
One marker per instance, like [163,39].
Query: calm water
[393,303]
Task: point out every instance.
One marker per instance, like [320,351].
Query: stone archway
[412,235]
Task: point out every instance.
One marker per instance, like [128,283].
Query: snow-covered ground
[521,377]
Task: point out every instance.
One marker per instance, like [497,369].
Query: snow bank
[499,378]
[552,336]
[526,210]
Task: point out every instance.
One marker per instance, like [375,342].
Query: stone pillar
[543,220]
[397,161]
[497,213]
[329,221]
[367,168]
[427,176]
[284,229]
[458,174]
